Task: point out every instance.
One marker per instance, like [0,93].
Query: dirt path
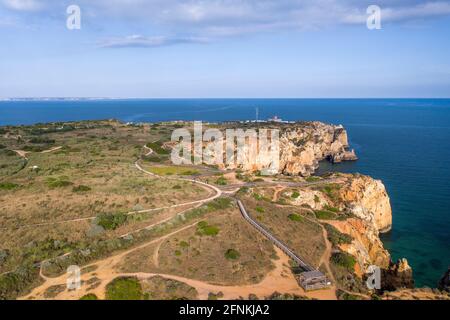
[280,279]
[277,192]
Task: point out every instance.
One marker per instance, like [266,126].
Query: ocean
[403,142]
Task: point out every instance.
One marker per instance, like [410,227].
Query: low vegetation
[204,229]
[344,260]
[324,215]
[232,254]
[295,217]
[111,221]
[124,288]
[336,237]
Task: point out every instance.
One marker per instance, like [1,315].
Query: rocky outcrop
[444,283]
[397,276]
[367,199]
[303,146]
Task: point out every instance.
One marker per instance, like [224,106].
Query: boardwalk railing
[277,242]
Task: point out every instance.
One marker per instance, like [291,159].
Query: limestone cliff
[364,211]
[303,146]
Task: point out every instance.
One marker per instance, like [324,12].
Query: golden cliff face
[367,199]
[303,146]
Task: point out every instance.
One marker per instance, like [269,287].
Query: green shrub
[324,215]
[89,296]
[124,288]
[344,260]
[221,181]
[332,209]
[219,204]
[8,186]
[204,229]
[295,217]
[184,244]
[42,140]
[61,182]
[81,188]
[316,199]
[232,254]
[313,179]
[336,237]
[295,195]
[260,210]
[157,147]
[111,221]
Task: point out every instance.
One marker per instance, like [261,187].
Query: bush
[232,254]
[295,217]
[15,283]
[157,147]
[42,140]
[336,237]
[219,204]
[54,183]
[8,186]
[221,181]
[324,215]
[260,210]
[313,179]
[125,288]
[344,260]
[332,209]
[89,296]
[204,229]
[295,195]
[110,221]
[81,188]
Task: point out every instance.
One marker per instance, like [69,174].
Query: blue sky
[224,48]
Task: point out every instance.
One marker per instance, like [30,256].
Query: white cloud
[139,41]
[23,5]
[220,18]
[418,11]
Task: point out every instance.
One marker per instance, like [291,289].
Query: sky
[224,49]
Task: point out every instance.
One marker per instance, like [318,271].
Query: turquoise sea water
[404,142]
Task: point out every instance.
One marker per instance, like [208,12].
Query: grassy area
[295,217]
[324,215]
[204,229]
[8,186]
[221,181]
[157,147]
[111,221]
[124,288]
[173,170]
[336,237]
[344,260]
[313,179]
